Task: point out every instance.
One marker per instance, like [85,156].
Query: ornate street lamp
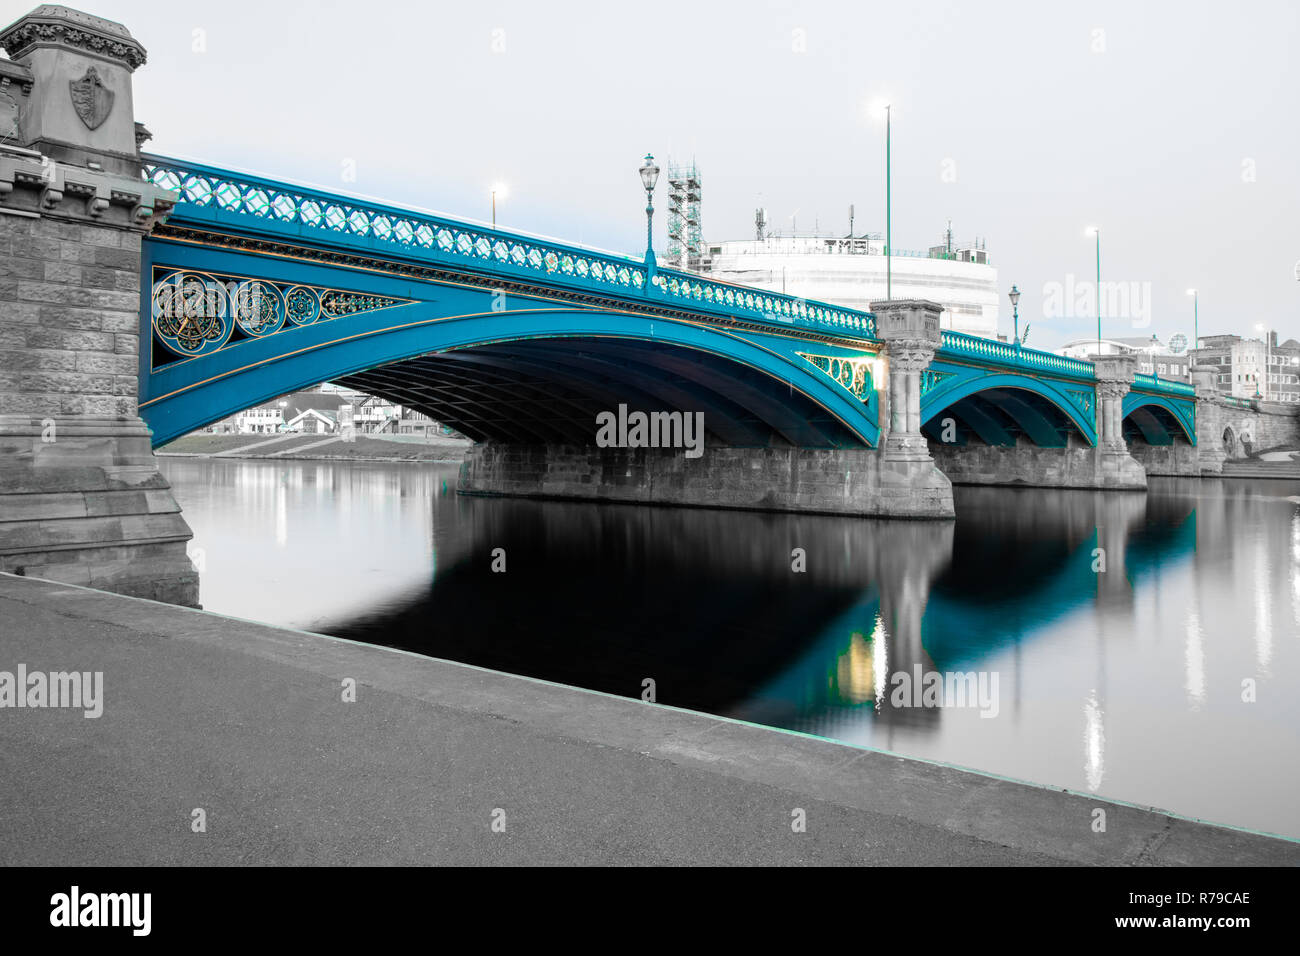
[1014,296]
[649,176]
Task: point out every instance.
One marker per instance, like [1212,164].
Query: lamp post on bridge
[498,189]
[1094,231]
[875,109]
[649,176]
[889,235]
[1014,296]
[1268,361]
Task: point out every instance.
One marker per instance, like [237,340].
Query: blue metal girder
[954,382]
[1152,429]
[1040,429]
[988,428]
[604,392]
[272,210]
[188,393]
[640,384]
[1182,412]
[480,404]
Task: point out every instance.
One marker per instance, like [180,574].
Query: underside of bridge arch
[1157,439]
[1012,435]
[1153,425]
[1001,417]
[549,391]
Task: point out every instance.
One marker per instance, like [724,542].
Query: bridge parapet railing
[962,345]
[1236,402]
[341,217]
[772,306]
[1151,383]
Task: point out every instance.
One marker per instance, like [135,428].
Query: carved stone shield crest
[91,99]
[8,118]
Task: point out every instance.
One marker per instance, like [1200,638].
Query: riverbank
[250,725]
[389,448]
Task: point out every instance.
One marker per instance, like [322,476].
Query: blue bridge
[254,287]
[145,297]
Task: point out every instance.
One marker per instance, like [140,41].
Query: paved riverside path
[246,721]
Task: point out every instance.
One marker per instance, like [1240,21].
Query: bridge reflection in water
[1127,683]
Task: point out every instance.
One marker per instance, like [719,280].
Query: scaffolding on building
[685,235]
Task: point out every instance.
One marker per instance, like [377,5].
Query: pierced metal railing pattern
[1238,402]
[485,248]
[1153,384]
[972,346]
[772,306]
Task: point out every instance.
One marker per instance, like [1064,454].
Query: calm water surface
[1127,683]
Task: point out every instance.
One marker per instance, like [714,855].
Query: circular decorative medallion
[301,305]
[257,309]
[189,313]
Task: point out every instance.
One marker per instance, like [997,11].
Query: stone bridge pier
[81,497]
[1209,440]
[1114,466]
[910,332]
[898,479]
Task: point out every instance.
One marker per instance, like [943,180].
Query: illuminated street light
[1095,231]
[498,189]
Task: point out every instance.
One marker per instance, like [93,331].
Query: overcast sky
[1174,126]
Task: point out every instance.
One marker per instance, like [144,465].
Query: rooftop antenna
[760,223]
[948,237]
[850,220]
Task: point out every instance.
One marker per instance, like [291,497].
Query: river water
[1142,647]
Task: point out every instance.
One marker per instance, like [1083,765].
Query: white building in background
[1153,356]
[258,420]
[850,271]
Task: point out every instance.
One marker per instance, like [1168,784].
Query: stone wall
[829,481]
[81,498]
[1078,465]
[1262,425]
[1180,458]
[70,301]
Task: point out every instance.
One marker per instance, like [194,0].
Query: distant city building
[1153,356]
[851,271]
[1249,368]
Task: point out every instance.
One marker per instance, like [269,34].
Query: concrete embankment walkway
[247,723]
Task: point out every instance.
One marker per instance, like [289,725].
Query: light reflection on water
[1133,683]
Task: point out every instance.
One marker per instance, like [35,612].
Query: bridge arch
[1156,420]
[529,375]
[998,407]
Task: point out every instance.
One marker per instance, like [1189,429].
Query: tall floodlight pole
[1268,359]
[498,189]
[889,235]
[649,176]
[1094,231]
